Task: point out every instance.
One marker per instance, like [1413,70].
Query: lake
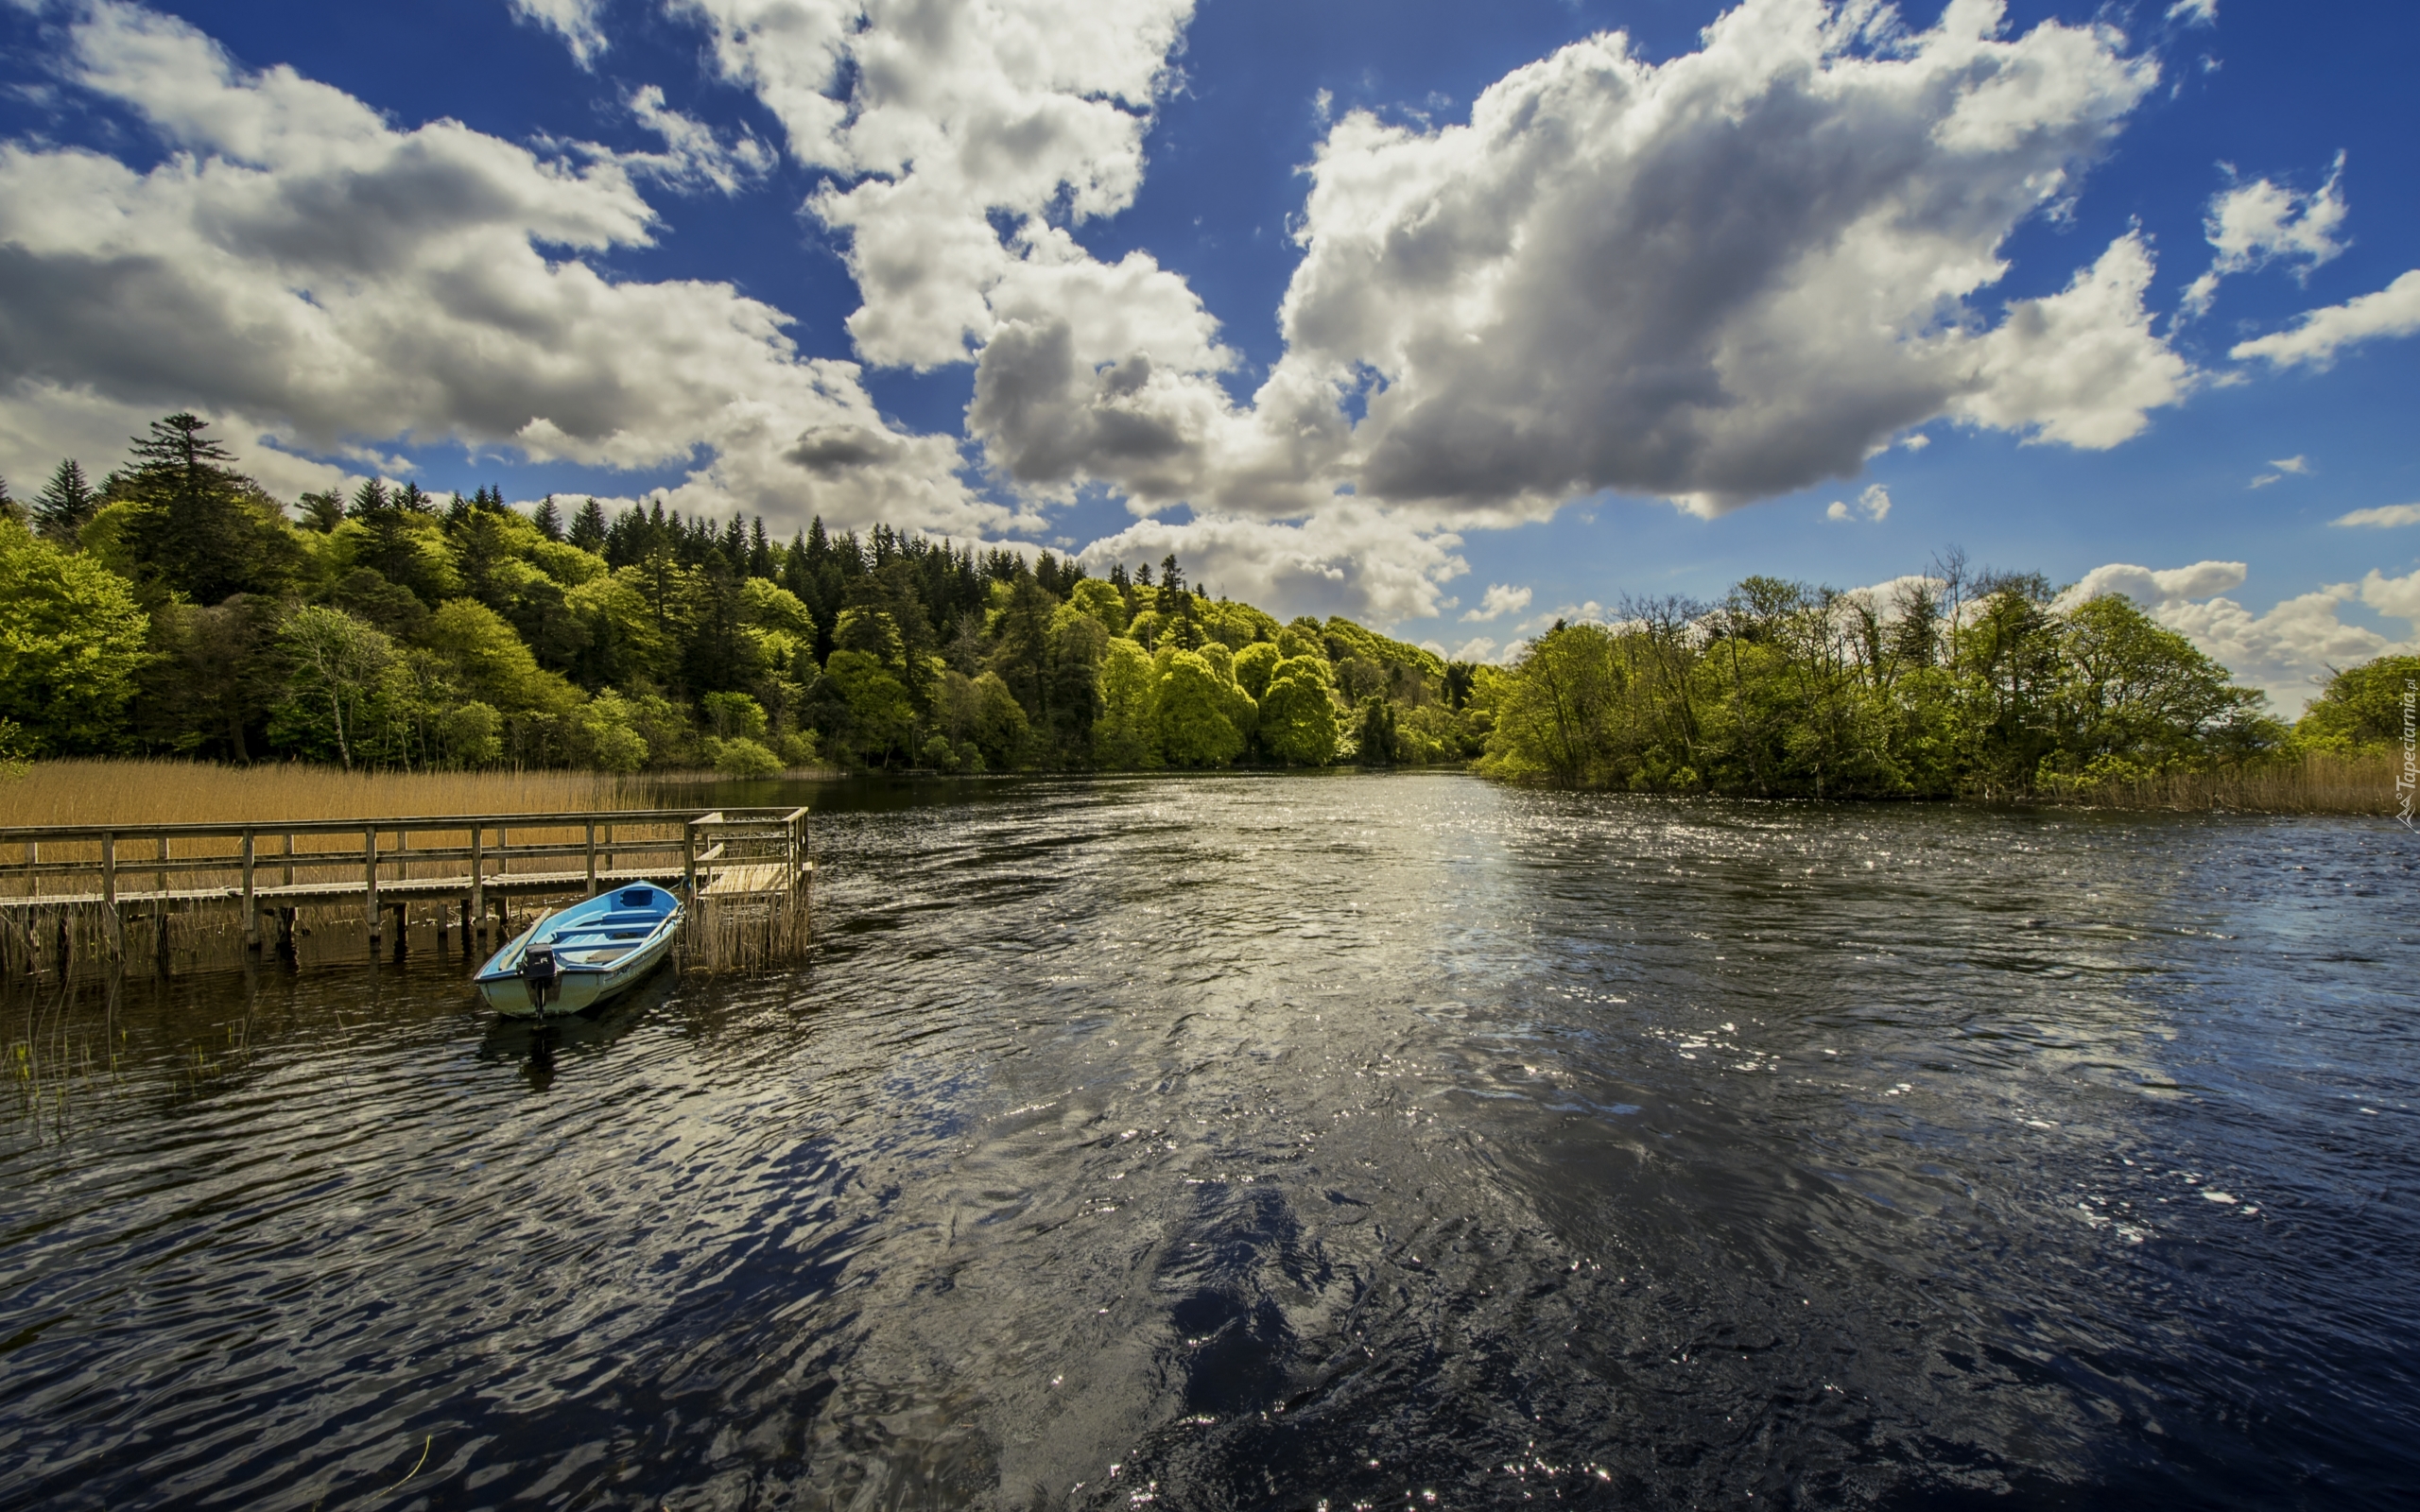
[1333,1141]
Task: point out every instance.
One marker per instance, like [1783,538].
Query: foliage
[1985,687]
[389,628]
[2362,707]
[73,641]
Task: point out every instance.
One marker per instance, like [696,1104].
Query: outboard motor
[537,974]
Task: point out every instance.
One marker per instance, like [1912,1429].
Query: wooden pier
[104,882]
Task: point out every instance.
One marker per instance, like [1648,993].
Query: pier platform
[60,883]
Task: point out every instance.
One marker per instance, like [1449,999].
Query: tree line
[176,607]
[1955,683]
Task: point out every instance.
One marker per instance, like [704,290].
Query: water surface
[1391,1141]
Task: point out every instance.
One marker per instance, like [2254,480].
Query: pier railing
[57,882]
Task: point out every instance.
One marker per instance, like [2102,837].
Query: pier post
[477,906]
[160,907]
[592,858]
[109,896]
[251,900]
[369,870]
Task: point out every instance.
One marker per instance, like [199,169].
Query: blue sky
[1619,341]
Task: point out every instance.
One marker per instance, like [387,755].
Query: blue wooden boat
[577,958]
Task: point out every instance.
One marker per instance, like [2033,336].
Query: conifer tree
[199,533]
[66,503]
[588,528]
[323,512]
[548,520]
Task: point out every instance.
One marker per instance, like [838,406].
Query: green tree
[202,531]
[66,504]
[2134,699]
[1297,723]
[72,642]
[493,663]
[337,672]
[2362,707]
[1195,729]
[1126,734]
[876,718]
[1256,664]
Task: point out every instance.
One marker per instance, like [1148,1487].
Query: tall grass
[2318,784]
[172,792]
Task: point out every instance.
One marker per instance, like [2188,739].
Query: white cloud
[2383,517]
[302,270]
[1499,599]
[1800,211]
[2315,339]
[1351,558]
[2288,652]
[2255,224]
[574,20]
[1797,215]
[951,113]
[1875,504]
[2081,367]
[2280,468]
[2194,12]
[693,156]
[1478,649]
[2396,596]
[2154,588]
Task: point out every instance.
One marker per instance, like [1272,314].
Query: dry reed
[171,792]
[2318,784]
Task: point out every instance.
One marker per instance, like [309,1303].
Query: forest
[175,608]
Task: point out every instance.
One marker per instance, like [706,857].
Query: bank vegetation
[176,612]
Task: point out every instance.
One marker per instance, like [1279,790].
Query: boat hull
[554,949]
[576,990]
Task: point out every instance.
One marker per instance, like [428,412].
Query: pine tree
[760,555]
[588,528]
[321,513]
[200,534]
[66,503]
[9,509]
[548,520]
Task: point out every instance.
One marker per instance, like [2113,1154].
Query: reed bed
[172,792]
[2317,783]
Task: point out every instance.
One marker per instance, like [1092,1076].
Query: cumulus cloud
[2255,224]
[1875,504]
[309,273]
[1351,558]
[2315,339]
[574,20]
[1499,599]
[1724,276]
[943,116]
[1478,649]
[2288,652]
[2194,12]
[2154,588]
[2383,517]
[1714,278]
